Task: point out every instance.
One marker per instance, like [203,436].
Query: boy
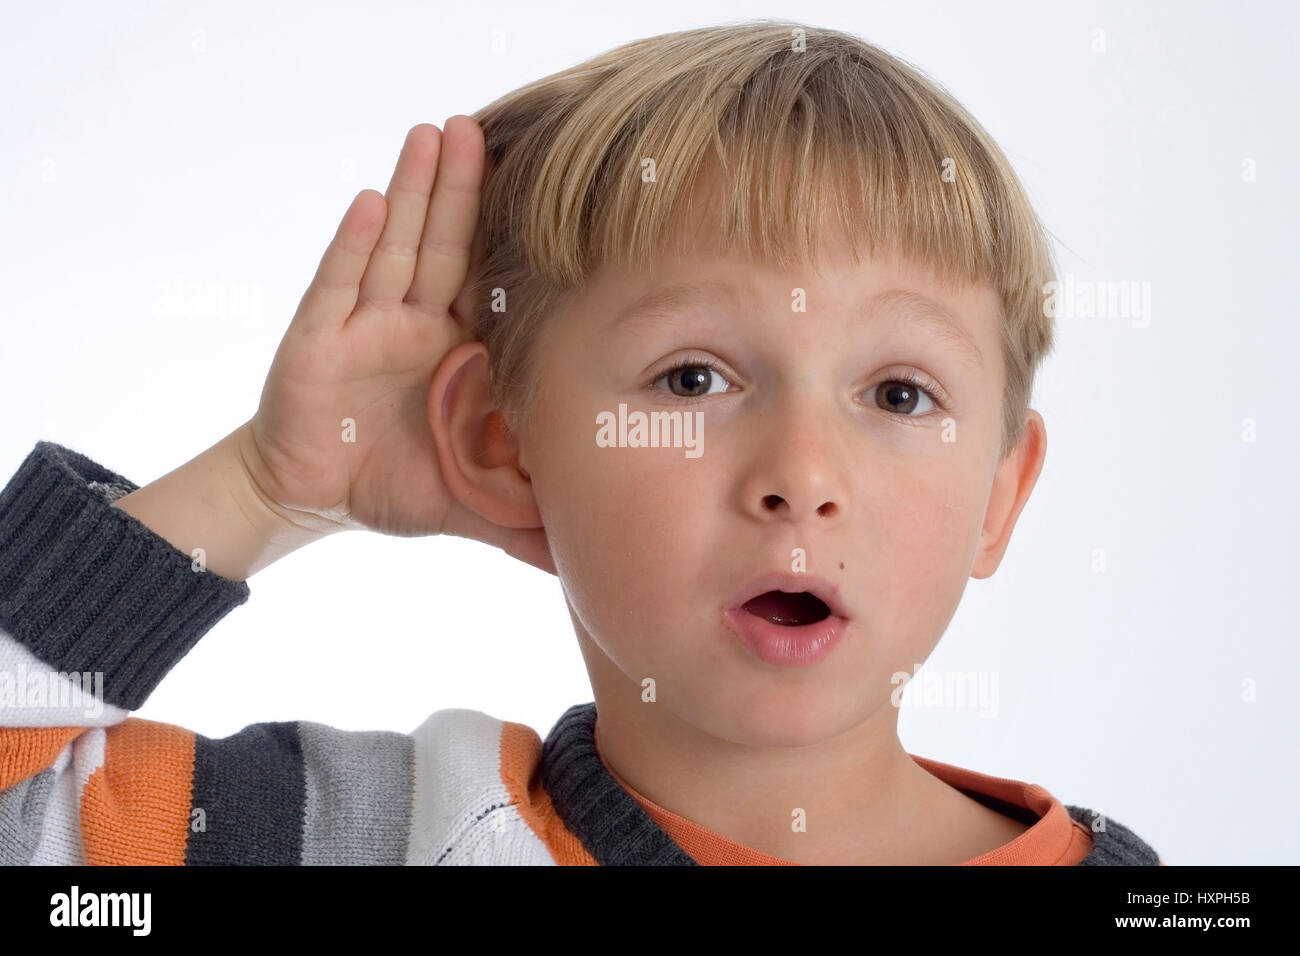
[648,357]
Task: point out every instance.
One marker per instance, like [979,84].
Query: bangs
[805,141]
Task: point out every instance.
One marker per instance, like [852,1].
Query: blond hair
[805,122]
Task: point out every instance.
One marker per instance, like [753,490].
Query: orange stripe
[521,756]
[26,751]
[135,809]
[1055,839]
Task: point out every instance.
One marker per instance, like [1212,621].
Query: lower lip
[787,646]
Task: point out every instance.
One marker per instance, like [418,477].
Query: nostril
[828,510]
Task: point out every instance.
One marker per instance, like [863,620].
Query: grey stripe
[359,787]
[250,788]
[22,813]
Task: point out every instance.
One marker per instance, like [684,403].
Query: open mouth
[788,609]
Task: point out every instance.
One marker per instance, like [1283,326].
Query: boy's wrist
[211,510]
[276,520]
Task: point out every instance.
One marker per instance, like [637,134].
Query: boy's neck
[863,799]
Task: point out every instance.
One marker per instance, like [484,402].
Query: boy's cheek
[915,560]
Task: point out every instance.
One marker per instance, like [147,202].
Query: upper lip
[792,583]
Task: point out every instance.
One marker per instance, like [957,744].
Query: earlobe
[1012,483]
[478,456]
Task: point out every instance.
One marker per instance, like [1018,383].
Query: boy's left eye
[903,397]
[693,380]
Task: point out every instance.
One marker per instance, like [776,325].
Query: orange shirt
[1055,840]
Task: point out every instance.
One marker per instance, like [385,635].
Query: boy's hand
[368,336]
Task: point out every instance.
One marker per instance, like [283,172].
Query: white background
[146,147]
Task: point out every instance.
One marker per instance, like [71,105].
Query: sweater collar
[605,817]
[617,831]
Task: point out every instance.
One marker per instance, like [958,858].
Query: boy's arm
[95,608]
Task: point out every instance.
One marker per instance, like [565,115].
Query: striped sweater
[95,609]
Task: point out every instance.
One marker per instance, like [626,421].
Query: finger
[452,216]
[388,277]
[332,294]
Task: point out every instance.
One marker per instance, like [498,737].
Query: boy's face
[797,453]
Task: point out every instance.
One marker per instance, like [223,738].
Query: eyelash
[903,376]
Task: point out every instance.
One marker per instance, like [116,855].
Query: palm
[344,424]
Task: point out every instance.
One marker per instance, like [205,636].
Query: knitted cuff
[87,587]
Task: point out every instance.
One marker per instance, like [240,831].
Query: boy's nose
[797,473]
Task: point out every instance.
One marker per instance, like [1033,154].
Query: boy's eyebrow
[933,315]
[916,305]
[674,296]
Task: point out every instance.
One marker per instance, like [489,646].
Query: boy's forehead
[885,288]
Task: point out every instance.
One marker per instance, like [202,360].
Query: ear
[1014,480]
[477,454]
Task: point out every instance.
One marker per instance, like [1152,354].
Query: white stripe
[61,829]
[462,813]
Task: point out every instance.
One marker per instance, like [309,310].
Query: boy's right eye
[693,379]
